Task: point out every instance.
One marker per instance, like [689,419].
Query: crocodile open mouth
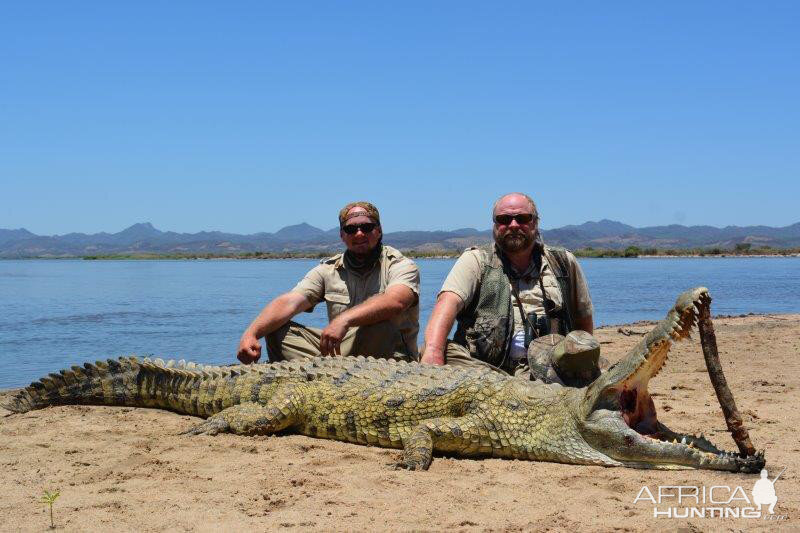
[622,420]
[636,405]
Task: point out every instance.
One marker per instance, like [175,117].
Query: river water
[56,313]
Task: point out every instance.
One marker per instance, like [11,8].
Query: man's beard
[364,262]
[515,241]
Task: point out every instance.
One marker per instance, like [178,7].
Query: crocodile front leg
[280,412]
[245,419]
[441,434]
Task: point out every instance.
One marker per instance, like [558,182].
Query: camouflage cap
[540,357]
[369,210]
[575,359]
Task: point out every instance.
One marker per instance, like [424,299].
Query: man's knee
[459,355]
[293,341]
[377,340]
[274,341]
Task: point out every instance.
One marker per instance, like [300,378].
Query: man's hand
[432,357]
[249,348]
[331,338]
[274,315]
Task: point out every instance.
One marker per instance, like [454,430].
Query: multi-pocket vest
[485,326]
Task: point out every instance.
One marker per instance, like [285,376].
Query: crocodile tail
[111,382]
[182,387]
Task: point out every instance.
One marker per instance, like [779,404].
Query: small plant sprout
[49,498]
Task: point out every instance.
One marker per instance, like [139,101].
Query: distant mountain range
[301,238]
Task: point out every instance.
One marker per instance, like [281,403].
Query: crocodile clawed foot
[410,465]
[211,426]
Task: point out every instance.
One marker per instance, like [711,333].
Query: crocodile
[420,409]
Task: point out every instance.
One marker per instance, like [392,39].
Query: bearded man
[511,295]
[372,296]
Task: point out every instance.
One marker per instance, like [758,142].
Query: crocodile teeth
[683,440]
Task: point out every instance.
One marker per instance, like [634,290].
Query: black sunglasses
[352,229]
[522,218]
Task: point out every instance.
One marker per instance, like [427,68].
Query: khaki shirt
[342,289]
[465,276]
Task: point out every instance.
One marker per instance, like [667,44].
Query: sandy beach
[127,469]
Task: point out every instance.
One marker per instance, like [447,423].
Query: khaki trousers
[294,342]
[458,355]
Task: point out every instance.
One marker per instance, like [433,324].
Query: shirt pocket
[553,290]
[337,302]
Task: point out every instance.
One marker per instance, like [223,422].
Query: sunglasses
[522,218]
[352,229]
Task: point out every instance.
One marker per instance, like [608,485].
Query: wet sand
[120,468]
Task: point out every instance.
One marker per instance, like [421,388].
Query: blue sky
[249,116]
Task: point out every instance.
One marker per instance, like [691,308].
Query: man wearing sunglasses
[510,294]
[371,292]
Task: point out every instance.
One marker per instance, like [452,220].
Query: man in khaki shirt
[372,296]
[525,266]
